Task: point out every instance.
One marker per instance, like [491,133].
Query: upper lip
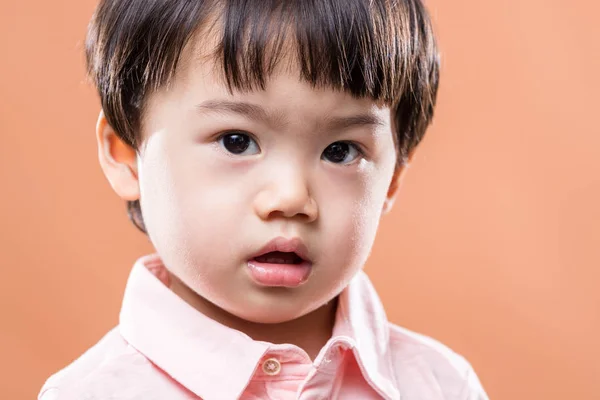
[285,245]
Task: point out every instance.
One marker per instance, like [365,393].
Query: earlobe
[393,190]
[395,184]
[118,161]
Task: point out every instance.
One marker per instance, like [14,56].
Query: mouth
[279,257]
[283,251]
[281,263]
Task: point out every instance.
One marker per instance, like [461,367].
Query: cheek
[351,216]
[189,207]
[354,226]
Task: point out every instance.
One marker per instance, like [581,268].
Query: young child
[258,143]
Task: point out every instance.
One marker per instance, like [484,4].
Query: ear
[118,161]
[395,184]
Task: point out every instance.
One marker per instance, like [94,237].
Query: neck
[309,332]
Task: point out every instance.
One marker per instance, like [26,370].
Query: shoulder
[106,370]
[82,366]
[419,358]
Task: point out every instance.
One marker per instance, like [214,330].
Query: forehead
[285,100]
[201,75]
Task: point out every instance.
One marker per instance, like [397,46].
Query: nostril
[271,204]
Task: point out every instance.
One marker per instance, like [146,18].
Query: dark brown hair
[381,49]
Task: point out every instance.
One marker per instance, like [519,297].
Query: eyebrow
[352,121]
[223,106]
[248,110]
[257,113]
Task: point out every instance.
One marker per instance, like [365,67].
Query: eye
[341,153]
[239,143]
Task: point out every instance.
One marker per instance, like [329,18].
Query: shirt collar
[182,341]
[187,345]
[362,318]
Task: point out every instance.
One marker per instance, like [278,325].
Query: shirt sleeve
[48,394]
[472,389]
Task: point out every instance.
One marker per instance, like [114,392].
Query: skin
[207,211]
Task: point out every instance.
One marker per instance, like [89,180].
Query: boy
[258,143]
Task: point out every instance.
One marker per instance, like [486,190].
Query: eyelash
[357,146]
[359,149]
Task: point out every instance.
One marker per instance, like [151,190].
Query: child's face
[210,202]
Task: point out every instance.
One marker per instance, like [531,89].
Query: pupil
[236,143]
[337,152]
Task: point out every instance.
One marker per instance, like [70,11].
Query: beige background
[493,248]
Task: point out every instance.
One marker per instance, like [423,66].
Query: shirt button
[271,367]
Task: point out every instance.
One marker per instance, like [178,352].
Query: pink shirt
[165,349]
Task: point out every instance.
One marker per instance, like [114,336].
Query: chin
[268,318]
[270,313]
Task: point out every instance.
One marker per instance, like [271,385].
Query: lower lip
[279,275]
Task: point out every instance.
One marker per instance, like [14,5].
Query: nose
[286,195]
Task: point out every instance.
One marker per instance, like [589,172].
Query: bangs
[349,45]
